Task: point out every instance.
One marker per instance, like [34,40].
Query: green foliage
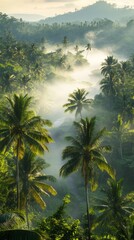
[25,62]
[11,220]
[117,209]
[19,128]
[34,182]
[19,124]
[60,226]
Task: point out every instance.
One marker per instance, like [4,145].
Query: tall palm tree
[86,153]
[110,72]
[77,101]
[21,127]
[115,207]
[125,70]
[33,180]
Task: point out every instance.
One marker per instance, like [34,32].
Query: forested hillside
[66,138]
[98,10]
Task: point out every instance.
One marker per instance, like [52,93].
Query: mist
[51,96]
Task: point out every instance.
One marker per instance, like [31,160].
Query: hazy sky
[50,7]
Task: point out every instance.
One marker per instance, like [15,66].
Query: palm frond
[45,188]
[104,166]
[38,198]
[35,145]
[71,166]
[46,178]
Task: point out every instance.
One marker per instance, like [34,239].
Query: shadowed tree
[120,133]
[86,153]
[108,86]
[109,66]
[110,82]
[65,42]
[115,208]
[88,48]
[125,71]
[76,48]
[77,101]
[21,127]
[109,70]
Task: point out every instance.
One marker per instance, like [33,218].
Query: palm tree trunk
[121,151]
[27,219]
[80,114]
[88,215]
[17,182]
[17,177]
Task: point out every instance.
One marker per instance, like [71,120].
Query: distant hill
[27,17]
[99,10]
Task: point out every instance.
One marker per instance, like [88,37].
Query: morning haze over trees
[62,100]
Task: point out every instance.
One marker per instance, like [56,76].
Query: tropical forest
[66,129]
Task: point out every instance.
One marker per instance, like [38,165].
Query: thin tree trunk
[17,182]
[27,219]
[17,177]
[121,152]
[80,114]
[88,215]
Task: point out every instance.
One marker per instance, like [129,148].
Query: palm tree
[32,178]
[125,71]
[86,153]
[120,133]
[110,72]
[116,208]
[108,86]
[77,101]
[109,66]
[21,127]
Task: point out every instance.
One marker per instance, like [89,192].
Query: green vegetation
[101,143]
[116,209]
[86,153]
[60,225]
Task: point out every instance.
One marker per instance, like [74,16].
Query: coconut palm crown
[86,152]
[77,101]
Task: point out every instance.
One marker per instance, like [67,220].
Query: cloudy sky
[50,7]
